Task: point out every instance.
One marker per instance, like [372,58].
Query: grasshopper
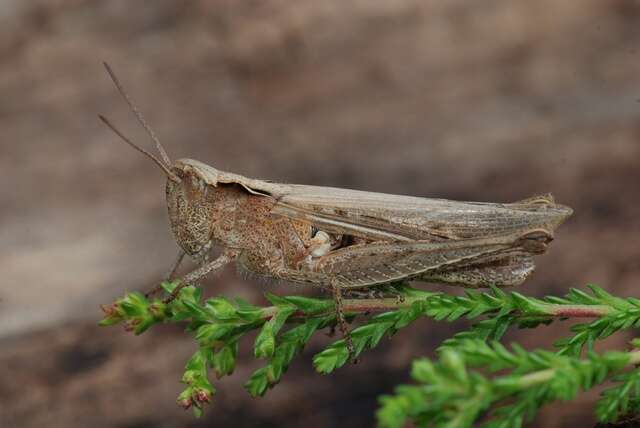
[343,240]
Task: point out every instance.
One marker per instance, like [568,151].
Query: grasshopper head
[191,210]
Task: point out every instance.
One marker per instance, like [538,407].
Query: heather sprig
[453,391]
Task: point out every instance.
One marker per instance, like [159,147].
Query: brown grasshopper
[340,239]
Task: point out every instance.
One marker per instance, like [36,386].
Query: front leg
[224,259]
[169,276]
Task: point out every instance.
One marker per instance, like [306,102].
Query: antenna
[164,167]
[137,114]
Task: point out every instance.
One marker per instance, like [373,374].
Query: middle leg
[342,322]
[169,276]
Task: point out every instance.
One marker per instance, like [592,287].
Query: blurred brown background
[490,101]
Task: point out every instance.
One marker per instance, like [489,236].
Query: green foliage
[475,377]
[199,390]
[621,399]
[453,393]
[623,314]
[289,345]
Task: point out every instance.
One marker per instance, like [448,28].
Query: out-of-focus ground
[489,101]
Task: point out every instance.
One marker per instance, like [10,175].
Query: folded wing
[406,218]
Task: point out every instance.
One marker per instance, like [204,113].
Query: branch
[453,392]
[287,324]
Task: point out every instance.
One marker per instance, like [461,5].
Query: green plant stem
[578,311]
[352,305]
[536,378]
[542,376]
[391,304]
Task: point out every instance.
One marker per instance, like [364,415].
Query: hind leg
[502,272]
